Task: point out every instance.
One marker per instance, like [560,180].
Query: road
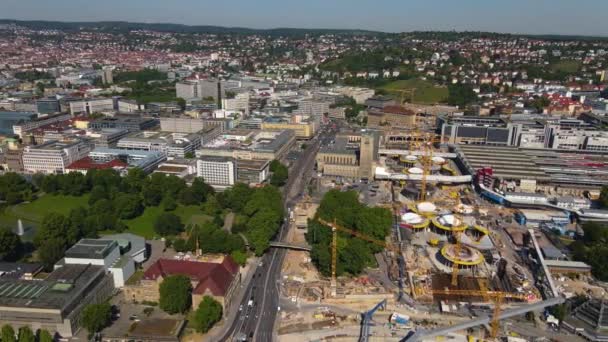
[255,322]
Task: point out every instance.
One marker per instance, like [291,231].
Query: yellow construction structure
[496,296]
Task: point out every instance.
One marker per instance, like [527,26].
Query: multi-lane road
[259,307]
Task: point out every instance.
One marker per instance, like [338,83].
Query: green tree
[8,334]
[26,334]
[461,95]
[50,252]
[10,245]
[128,206]
[95,317]
[175,294]
[239,257]
[45,336]
[168,224]
[168,203]
[208,313]
[279,175]
[54,226]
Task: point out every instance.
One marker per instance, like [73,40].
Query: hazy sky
[586,17]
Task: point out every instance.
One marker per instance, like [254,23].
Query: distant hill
[121,26]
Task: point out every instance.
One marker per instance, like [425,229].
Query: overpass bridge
[391,152]
[382,173]
[277,244]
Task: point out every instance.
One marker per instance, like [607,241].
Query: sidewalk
[219,330]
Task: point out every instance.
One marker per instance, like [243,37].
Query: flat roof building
[54,303]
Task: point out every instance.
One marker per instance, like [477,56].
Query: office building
[312,107]
[130,123]
[218,172]
[145,160]
[48,106]
[102,252]
[303,130]
[171,144]
[9,119]
[200,89]
[240,102]
[54,156]
[107,137]
[23,126]
[192,125]
[90,106]
[56,302]
[181,168]
[107,75]
[253,172]
[249,144]
[129,106]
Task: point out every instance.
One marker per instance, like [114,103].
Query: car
[250,303]
[241,307]
[133,317]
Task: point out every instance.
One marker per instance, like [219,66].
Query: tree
[45,336]
[168,203]
[175,294]
[50,252]
[279,175]
[168,224]
[239,257]
[54,226]
[8,334]
[128,206]
[95,317]
[208,313]
[189,155]
[10,245]
[604,194]
[26,334]
[461,95]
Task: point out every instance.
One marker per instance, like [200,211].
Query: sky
[571,17]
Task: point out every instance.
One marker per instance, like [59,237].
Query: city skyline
[517,16]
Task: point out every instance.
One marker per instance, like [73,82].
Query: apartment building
[54,156]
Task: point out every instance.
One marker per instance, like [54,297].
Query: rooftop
[57,291]
[91,249]
[213,277]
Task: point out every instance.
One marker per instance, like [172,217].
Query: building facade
[54,156]
[217,171]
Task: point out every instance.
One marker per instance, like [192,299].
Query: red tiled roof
[397,110]
[213,277]
[87,163]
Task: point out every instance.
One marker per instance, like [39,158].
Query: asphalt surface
[259,307]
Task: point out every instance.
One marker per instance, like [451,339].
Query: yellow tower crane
[334,247]
[496,296]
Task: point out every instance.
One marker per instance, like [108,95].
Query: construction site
[442,265]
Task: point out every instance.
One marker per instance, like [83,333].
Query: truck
[397,318]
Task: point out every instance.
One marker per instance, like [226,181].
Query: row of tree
[593,249]
[354,254]
[24,334]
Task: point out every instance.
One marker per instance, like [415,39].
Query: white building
[102,252]
[90,106]
[240,102]
[54,156]
[129,106]
[219,172]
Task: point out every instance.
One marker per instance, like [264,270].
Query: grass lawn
[426,92]
[34,211]
[566,66]
[144,224]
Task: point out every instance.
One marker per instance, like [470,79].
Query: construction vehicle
[495,296]
[366,321]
